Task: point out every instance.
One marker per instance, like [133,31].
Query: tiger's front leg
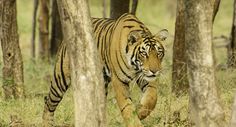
[148,100]
[125,104]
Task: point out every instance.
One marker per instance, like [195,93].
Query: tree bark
[43,29]
[232,46]
[118,7]
[13,78]
[233,119]
[86,74]
[205,107]
[34,28]
[56,30]
[180,83]
[134,7]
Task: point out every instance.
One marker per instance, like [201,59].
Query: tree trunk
[34,28]
[86,74]
[205,107]
[43,29]
[232,46]
[104,11]
[56,30]
[134,7]
[13,79]
[119,7]
[180,84]
[233,119]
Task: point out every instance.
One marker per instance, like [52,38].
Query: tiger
[130,53]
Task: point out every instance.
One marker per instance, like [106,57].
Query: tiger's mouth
[150,76]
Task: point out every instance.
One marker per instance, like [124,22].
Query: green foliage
[156,14]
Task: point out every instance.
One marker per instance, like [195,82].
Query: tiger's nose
[154,71]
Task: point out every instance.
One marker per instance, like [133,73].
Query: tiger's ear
[133,37]
[162,35]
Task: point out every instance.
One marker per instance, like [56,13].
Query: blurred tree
[118,7]
[205,108]
[216,5]
[134,6]
[34,28]
[104,4]
[56,30]
[13,79]
[179,68]
[89,93]
[43,29]
[232,45]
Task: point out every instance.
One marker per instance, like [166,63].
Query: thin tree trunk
[13,79]
[205,107]
[180,84]
[86,75]
[232,46]
[104,11]
[43,29]
[233,119]
[216,5]
[134,7]
[118,7]
[56,30]
[34,28]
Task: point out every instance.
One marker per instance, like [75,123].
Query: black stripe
[124,82]
[122,68]
[54,92]
[144,86]
[128,26]
[64,54]
[54,101]
[97,25]
[50,110]
[133,20]
[62,73]
[124,62]
[100,31]
[94,20]
[134,52]
[60,84]
[57,83]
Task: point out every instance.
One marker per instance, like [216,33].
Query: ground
[156,15]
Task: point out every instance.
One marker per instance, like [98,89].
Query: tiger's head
[145,52]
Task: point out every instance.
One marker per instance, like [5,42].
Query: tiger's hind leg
[148,100]
[59,85]
[51,102]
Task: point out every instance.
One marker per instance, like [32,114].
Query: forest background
[156,14]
